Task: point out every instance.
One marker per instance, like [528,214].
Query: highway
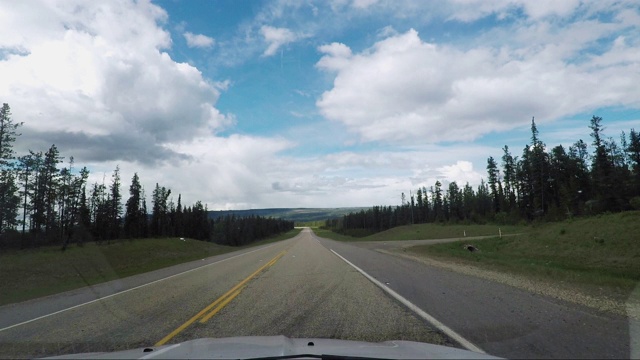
[313,288]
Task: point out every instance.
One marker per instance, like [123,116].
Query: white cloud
[387,31]
[337,56]
[470,10]
[461,172]
[405,89]
[95,79]
[276,37]
[251,172]
[232,172]
[198,40]
[256,172]
[375,177]
[96,73]
[363,4]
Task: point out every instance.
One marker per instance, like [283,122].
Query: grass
[28,274]
[311,224]
[332,235]
[428,231]
[600,251]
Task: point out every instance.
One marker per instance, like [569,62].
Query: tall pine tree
[9,199]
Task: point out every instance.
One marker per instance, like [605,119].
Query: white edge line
[440,326]
[133,288]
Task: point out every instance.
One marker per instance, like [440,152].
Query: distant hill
[299,214]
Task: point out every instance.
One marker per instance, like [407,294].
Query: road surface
[310,287]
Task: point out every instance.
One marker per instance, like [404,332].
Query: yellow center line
[219,307]
[234,291]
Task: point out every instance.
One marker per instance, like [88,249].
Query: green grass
[28,274]
[332,235]
[429,231]
[311,224]
[600,251]
[276,238]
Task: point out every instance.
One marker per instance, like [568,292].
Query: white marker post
[500,232]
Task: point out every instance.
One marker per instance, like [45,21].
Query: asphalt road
[502,320]
[300,288]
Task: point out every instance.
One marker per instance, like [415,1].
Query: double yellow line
[221,302]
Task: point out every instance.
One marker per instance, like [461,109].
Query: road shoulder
[597,299]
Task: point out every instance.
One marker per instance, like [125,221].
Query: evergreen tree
[580,176]
[9,199]
[49,183]
[455,202]
[159,218]
[468,201]
[134,217]
[8,135]
[427,205]
[84,214]
[601,169]
[633,153]
[438,204]
[115,205]
[37,195]
[419,207]
[179,218]
[538,172]
[484,202]
[509,171]
[26,167]
[99,206]
[492,170]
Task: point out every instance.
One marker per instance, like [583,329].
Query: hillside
[602,250]
[292,214]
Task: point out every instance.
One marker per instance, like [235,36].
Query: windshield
[457,173]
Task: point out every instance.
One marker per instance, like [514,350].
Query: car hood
[250,347]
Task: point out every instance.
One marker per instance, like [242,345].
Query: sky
[331,103]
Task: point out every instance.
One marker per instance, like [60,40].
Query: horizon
[316,105]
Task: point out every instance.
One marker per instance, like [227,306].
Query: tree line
[238,231]
[42,203]
[541,185]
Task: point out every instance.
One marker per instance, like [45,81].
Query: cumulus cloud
[373,177]
[96,72]
[461,172]
[198,40]
[97,80]
[363,4]
[406,89]
[470,10]
[276,37]
[337,56]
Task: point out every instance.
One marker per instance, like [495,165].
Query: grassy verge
[332,235]
[276,238]
[311,224]
[28,274]
[597,251]
[428,231]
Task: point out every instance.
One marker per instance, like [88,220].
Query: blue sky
[251,104]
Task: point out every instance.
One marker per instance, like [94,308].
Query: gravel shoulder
[598,299]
